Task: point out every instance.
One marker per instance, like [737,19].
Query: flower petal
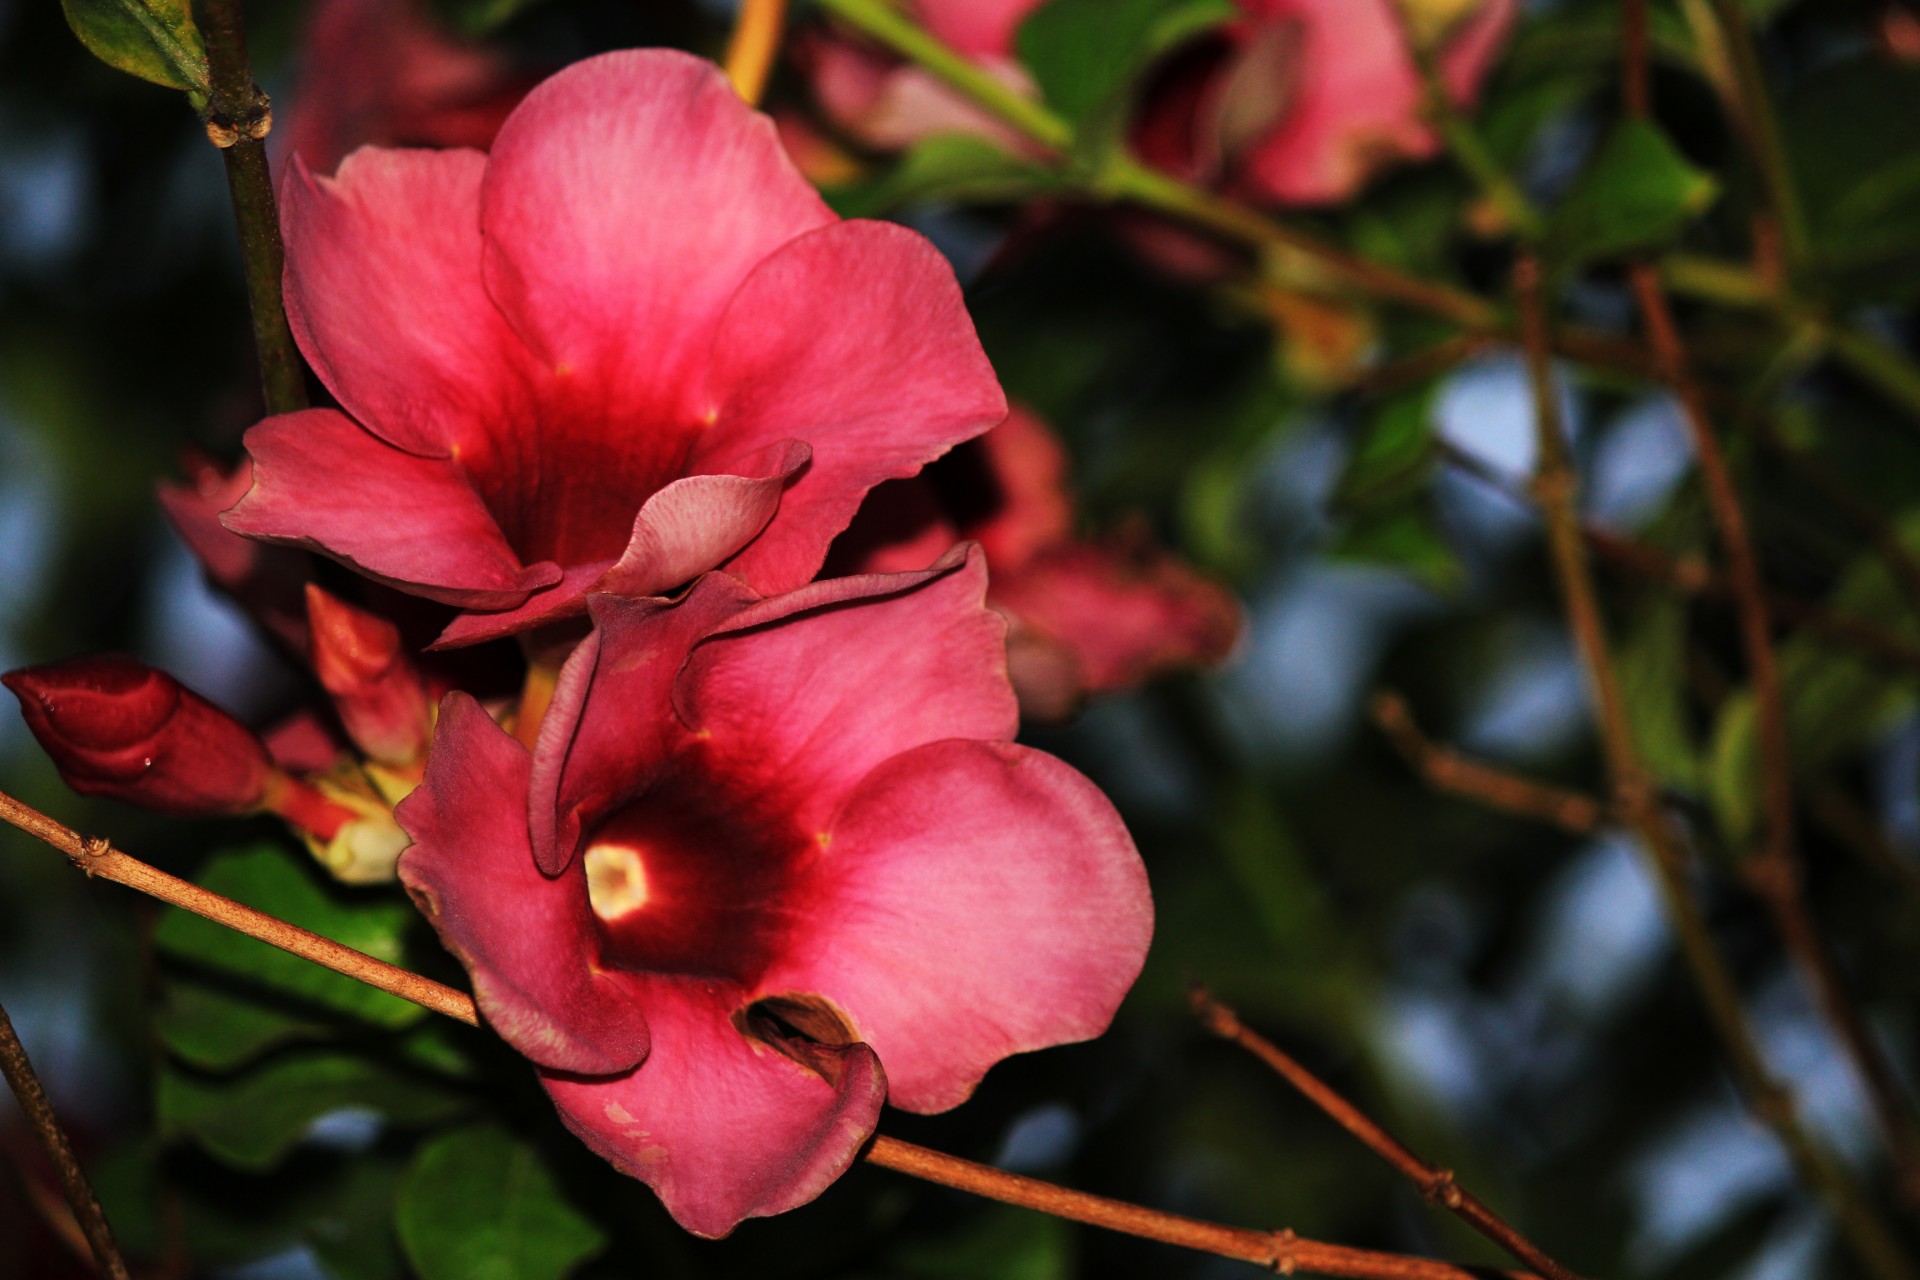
[608,729]
[721,1126]
[808,707]
[624,202]
[321,482]
[855,339]
[385,297]
[696,523]
[975,899]
[529,942]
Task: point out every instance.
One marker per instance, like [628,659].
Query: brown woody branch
[1436,1184]
[1445,769]
[1280,1251]
[21,1077]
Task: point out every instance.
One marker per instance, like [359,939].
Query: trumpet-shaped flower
[627,346]
[772,863]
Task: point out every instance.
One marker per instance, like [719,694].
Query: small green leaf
[950,166]
[479,1205]
[1407,538]
[252,1120]
[1637,193]
[286,885]
[1393,458]
[1653,680]
[1086,54]
[153,39]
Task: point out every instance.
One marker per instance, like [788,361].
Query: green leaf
[1637,193]
[252,1120]
[1653,680]
[998,1241]
[1394,457]
[949,166]
[479,1205]
[1407,538]
[153,39]
[282,884]
[1086,54]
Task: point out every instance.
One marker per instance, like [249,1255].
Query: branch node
[91,848]
[1284,1262]
[1441,1189]
[255,123]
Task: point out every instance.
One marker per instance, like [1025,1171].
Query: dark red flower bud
[117,727]
[382,700]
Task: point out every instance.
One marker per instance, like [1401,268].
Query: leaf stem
[238,117]
[1275,1250]
[752,47]
[1753,109]
[25,1084]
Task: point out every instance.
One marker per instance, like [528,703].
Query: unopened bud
[117,727]
[361,662]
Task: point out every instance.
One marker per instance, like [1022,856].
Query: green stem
[1122,178]
[1755,106]
[882,22]
[238,117]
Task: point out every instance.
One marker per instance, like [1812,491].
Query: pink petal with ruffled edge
[385,297]
[974,900]
[610,726]
[720,1126]
[808,709]
[698,522]
[881,380]
[529,942]
[624,202]
[321,482]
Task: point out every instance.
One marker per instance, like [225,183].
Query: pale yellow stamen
[616,880]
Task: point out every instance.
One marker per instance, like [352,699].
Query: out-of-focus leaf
[1007,1243]
[1836,700]
[1637,193]
[253,1120]
[351,1232]
[949,166]
[1407,538]
[1393,458]
[286,885]
[1653,680]
[219,1030]
[479,1205]
[479,17]
[1086,54]
[1860,184]
[153,39]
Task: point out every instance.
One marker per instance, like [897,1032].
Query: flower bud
[382,700]
[117,727]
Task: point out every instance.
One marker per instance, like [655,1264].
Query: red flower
[774,862]
[629,346]
[117,727]
[1087,617]
[381,697]
[1303,101]
[383,72]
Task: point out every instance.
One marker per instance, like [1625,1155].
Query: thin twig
[238,118]
[53,1140]
[1437,1185]
[751,48]
[1754,116]
[1279,1251]
[1445,769]
[1636,801]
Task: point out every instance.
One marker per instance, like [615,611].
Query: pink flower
[890,105]
[773,862]
[379,694]
[385,73]
[1302,102]
[1086,617]
[117,727]
[629,346]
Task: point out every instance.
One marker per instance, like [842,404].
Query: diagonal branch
[53,1140]
[1280,1251]
[1445,769]
[1437,1185]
